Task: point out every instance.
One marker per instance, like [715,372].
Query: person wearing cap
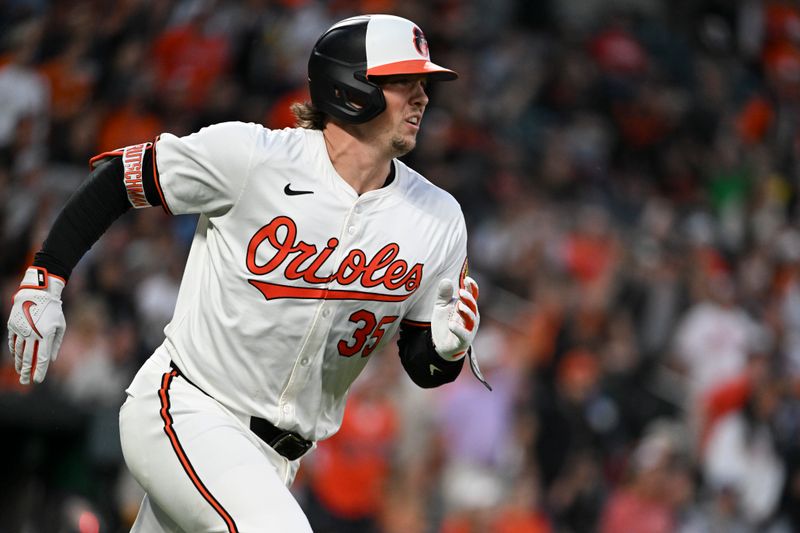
[314,247]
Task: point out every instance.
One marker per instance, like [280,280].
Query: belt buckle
[290,445]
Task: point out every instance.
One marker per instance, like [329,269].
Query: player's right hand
[36,324]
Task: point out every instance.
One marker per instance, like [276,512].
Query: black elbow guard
[424,366]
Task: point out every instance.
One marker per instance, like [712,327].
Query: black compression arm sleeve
[98,202]
[424,366]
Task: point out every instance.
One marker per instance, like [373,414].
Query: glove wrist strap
[476,370]
[38,278]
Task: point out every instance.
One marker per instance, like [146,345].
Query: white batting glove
[455,319]
[36,324]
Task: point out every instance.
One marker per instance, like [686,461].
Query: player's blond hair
[307,116]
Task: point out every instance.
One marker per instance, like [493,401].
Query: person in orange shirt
[350,470]
[189,58]
[128,123]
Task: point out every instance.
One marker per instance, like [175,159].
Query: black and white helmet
[355,49]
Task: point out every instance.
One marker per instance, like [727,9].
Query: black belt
[287,443]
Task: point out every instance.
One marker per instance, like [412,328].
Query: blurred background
[629,174]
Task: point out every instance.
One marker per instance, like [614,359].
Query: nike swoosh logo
[26,309]
[291,192]
[433,369]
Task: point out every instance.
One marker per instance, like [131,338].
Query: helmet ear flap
[337,77]
[342,93]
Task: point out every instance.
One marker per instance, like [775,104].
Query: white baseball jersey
[293,279]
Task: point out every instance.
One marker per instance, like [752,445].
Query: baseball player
[314,246]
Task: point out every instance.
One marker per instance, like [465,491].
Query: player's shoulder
[236,131]
[286,143]
[230,129]
[249,139]
[425,195]
[231,136]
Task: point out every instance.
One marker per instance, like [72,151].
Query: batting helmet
[352,50]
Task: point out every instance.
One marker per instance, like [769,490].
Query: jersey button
[326,312]
[304,361]
[357,209]
[351,230]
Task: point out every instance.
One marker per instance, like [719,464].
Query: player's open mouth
[414,121]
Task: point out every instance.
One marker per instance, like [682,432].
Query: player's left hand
[36,324]
[455,319]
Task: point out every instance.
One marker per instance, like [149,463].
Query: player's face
[397,127]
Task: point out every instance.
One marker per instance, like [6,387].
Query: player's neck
[363,166]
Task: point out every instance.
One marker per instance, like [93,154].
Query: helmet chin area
[352,102]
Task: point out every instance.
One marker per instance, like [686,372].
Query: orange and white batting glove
[455,319]
[36,324]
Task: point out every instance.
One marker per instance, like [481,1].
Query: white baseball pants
[201,466]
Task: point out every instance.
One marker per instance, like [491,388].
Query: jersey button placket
[351,222]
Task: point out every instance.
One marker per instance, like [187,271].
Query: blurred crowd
[629,171]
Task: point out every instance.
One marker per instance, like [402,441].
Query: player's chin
[401,145]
